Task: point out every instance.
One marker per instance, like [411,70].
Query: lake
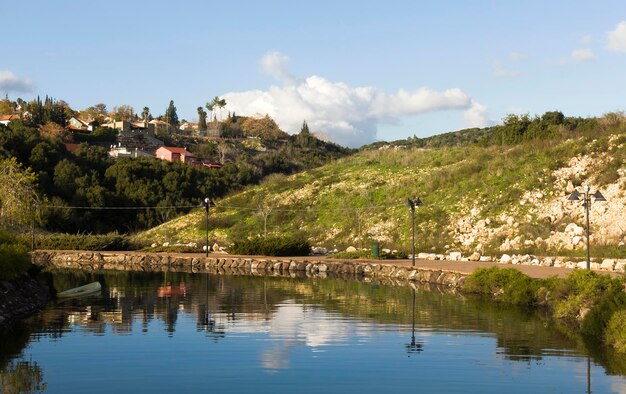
[180,332]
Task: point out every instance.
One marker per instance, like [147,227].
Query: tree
[264,128]
[19,201]
[201,119]
[96,112]
[305,129]
[171,116]
[123,112]
[53,130]
[216,103]
[6,106]
[145,115]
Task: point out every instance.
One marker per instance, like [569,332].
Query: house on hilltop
[170,153]
[5,119]
[131,127]
[77,124]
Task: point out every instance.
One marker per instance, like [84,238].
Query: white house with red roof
[170,153]
[5,119]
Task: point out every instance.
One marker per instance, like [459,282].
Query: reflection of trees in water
[132,297]
[22,377]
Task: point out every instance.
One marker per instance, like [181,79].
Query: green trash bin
[376,250]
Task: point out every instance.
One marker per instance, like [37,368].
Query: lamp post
[416,202]
[206,204]
[585,197]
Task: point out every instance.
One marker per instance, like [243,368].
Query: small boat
[81,291]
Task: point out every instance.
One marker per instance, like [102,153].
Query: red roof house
[170,153]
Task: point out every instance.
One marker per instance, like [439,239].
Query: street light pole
[416,202]
[586,196]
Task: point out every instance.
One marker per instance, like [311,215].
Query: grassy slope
[358,199]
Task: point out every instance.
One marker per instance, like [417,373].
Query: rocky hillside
[490,198]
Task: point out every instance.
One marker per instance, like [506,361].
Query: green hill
[494,190]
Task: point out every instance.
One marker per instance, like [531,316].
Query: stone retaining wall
[96,261]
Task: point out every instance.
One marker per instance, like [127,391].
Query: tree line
[71,182]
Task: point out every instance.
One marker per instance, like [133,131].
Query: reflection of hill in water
[222,305]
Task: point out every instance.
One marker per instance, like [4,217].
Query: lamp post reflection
[209,323]
[414,346]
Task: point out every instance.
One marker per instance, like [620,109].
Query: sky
[356,71]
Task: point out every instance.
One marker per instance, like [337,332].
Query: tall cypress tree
[170,114]
[201,119]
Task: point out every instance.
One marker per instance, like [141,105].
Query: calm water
[175,332]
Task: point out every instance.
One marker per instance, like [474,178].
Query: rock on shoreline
[19,298]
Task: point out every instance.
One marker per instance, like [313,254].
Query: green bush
[14,257]
[112,241]
[172,249]
[507,285]
[272,246]
[615,335]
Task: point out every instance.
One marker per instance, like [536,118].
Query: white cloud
[501,72]
[275,64]
[617,38]
[476,115]
[582,55]
[344,114]
[9,82]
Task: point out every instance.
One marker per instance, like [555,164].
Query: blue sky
[357,71]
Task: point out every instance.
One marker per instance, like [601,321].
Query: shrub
[112,241]
[507,285]
[613,299]
[272,246]
[172,249]
[14,257]
[615,334]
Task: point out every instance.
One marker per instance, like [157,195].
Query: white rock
[351,249]
[215,247]
[154,245]
[576,240]
[582,265]
[484,258]
[595,266]
[506,259]
[607,264]
[455,256]
[619,267]
[166,244]
[423,256]
[474,256]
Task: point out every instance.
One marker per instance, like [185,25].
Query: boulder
[484,258]
[607,264]
[506,259]
[474,256]
[455,256]
[351,249]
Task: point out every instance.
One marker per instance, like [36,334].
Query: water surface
[177,332]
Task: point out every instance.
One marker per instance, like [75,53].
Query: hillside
[485,197]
